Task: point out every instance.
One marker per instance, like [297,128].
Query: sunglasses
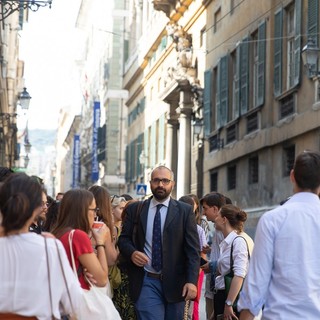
[114,196]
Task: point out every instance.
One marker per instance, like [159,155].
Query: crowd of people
[151,257]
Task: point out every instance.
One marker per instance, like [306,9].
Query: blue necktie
[156,241]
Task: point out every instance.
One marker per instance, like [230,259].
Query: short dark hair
[213,199]
[306,170]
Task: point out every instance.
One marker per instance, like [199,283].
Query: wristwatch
[229,303]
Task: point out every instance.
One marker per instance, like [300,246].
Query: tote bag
[96,305]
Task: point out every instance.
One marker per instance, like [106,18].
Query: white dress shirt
[240,258]
[284,272]
[24,277]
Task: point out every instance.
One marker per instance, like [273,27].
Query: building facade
[235,67]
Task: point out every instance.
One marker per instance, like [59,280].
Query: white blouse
[240,259]
[24,285]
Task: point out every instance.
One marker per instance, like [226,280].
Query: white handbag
[96,305]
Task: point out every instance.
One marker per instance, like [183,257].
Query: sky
[48,48]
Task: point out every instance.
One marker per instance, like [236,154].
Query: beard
[161,193]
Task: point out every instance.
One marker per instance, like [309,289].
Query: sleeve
[125,242]
[202,237]
[81,244]
[192,246]
[252,296]
[240,257]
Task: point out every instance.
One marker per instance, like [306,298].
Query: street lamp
[310,55]
[24,99]
[26,161]
[10,6]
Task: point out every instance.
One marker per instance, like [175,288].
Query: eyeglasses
[164,181]
[96,210]
[44,204]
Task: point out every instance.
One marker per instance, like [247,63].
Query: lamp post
[10,6]
[310,57]
[26,161]
[24,99]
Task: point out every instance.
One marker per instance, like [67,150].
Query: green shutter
[127,164]
[224,93]
[236,103]
[297,43]
[217,111]
[146,147]
[313,20]
[161,137]
[261,63]
[277,77]
[139,150]
[207,101]
[244,75]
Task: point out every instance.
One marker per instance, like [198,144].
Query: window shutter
[207,101]
[261,62]
[127,164]
[153,145]
[132,160]
[244,75]
[139,150]
[146,147]
[277,77]
[313,20]
[224,90]
[297,42]
[237,85]
[161,137]
[218,85]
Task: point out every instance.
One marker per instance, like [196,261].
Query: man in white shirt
[284,273]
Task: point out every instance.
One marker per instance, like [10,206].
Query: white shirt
[284,272]
[151,214]
[240,258]
[202,237]
[24,277]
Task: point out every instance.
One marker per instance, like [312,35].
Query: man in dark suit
[161,274]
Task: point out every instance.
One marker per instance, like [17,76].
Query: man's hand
[205,267]
[139,258]
[189,291]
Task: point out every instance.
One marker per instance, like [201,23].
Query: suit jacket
[180,248]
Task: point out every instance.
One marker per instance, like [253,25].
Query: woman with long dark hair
[32,267]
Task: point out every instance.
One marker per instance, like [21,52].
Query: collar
[230,237]
[154,202]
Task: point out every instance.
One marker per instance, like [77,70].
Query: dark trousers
[219,299]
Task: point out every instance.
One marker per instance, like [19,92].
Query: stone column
[184,148]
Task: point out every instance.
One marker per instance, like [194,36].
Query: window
[287,47]
[288,159]
[252,122]
[214,180]
[287,106]
[203,37]
[217,22]
[231,133]
[232,177]
[290,46]
[235,83]
[253,170]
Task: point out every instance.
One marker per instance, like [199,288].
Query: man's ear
[292,178]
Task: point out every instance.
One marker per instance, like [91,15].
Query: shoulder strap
[49,282]
[71,252]
[231,252]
